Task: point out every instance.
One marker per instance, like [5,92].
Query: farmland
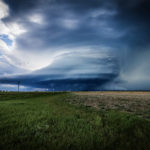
[77,120]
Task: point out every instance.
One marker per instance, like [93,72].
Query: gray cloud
[79,39]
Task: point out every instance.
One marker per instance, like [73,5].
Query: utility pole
[18,85]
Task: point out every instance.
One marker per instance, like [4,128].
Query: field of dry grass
[137,103]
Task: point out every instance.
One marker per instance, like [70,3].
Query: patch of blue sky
[6,39]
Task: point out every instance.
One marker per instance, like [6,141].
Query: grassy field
[82,120]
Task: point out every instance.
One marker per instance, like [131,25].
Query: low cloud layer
[75,45]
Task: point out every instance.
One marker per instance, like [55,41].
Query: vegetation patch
[57,121]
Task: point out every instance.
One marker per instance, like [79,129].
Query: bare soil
[137,103]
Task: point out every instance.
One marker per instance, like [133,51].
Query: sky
[73,45]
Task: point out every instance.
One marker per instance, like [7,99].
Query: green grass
[46,121]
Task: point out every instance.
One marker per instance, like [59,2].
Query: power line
[18,85]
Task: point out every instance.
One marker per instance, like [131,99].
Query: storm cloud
[75,45]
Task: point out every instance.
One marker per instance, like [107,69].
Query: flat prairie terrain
[137,103]
[74,120]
